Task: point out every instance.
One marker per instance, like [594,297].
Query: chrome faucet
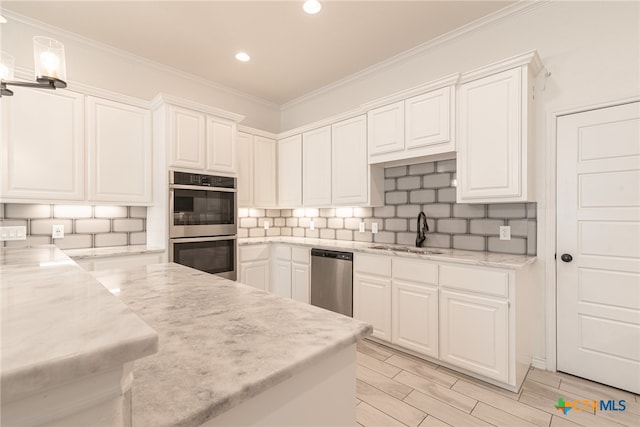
[422,230]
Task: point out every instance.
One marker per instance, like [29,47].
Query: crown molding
[258,132]
[531,58]
[163,98]
[327,121]
[523,6]
[57,31]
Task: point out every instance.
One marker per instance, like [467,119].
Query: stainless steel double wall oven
[202,222]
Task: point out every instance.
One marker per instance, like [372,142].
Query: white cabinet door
[428,121]
[281,284]
[245,169]
[300,283]
[386,128]
[415,317]
[264,179]
[372,303]
[221,145]
[290,172]
[349,165]
[255,274]
[119,152]
[474,333]
[186,138]
[316,167]
[489,139]
[43,145]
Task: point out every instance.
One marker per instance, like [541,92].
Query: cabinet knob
[566,257]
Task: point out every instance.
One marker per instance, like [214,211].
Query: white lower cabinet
[254,266]
[291,276]
[474,333]
[467,317]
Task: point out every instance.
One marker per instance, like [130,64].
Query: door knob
[566,257]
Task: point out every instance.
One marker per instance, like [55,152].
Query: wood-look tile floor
[396,389]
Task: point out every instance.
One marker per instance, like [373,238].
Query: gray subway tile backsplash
[84,226]
[428,187]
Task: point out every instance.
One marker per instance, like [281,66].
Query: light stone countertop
[221,342]
[59,323]
[487,259]
[111,251]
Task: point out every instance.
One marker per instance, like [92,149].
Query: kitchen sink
[425,251]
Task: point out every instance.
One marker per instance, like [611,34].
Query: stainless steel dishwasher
[332,280]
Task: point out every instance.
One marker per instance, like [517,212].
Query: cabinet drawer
[254,252]
[478,280]
[371,264]
[300,255]
[282,252]
[415,271]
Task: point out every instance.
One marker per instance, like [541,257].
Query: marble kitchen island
[234,355]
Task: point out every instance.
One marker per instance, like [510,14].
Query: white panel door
[43,145]
[349,165]
[386,129]
[264,166]
[255,274]
[281,284]
[290,172]
[372,304]
[316,167]
[598,217]
[489,137]
[244,142]
[428,120]
[187,138]
[119,152]
[474,333]
[414,317]
[221,145]
[300,282]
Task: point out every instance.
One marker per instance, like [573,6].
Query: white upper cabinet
[187,138]
[428,121]
[290,172]
[264,179]
[495,156]
[119,151]
[43,145]
[349,167]
[221,145]
[316,167]
[414,123]
[245,169]
[386,129]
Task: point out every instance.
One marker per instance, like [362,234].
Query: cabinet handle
[566,257]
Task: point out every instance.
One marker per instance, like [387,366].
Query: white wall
[590,48]
[99,66]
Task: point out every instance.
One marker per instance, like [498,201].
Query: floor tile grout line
[513,415]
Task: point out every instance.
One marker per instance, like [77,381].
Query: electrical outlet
[16,232]
[266,224]
[312,225]
[374,227]
[505,232]
[57,231]
[361,227]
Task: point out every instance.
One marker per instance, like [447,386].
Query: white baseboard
[539,363]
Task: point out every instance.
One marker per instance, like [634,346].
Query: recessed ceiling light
[312,6]
[242,56]
[3,20]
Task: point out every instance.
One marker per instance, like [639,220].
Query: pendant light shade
[49,60]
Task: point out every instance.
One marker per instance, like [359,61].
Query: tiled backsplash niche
[428,187]
[84,226]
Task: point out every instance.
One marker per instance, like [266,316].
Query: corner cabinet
[257,160]
[43,161]
[316,167]
[290,172]
[119,151]
[495,141]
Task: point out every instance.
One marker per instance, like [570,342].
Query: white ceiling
[292,53]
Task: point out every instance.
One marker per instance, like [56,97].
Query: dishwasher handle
[347,256]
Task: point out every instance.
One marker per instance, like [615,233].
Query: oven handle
[204,239]
[197,187]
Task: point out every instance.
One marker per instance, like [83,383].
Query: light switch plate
[16,232]
[505,232]
[57,231]
[266,224]
[361,227]
[312,225]
[374,227]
